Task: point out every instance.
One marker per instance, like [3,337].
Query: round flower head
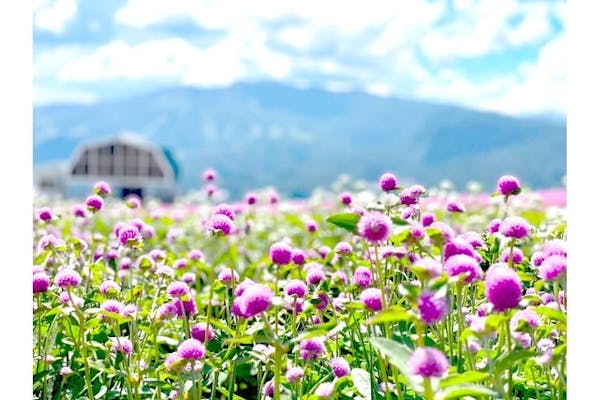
[374,226]
[427,219]
[66,370]
[325,390]
[388,182]
[515,227]
[251,198]
[102,189]
[433,267]
[555,247]
[340,366]
[255,299]
[221,223]
[180,263]
[281,253]
[416,230]
[191,349]
[408,198]
[122,344]
[455,206]
[315,275]
[298,257]
[94,203]
[112,306]
[109,287]
[296,288]
[79,211]
[133,202]
[473,238]
[503,287]
[463,264]
[129,310]
[312,348]
[273,197]
[41,282]
[537,258]
[45,214]
[458,246]
[343,248]
[178,289]
[189,278]
[180,306]
[323,251]
[531,318]
[362,277]
[346,198]
[67,278]
[432,309]
[508,185]
[129,235]
[294,374]
[371,298]
[428,362]
[311,226]
[227,275]
[339,277]
[199,332]
[195,255]
[517,255]
[225,209]
[408,213]
[268,389]
[209,175]
[552,267]
[494,225]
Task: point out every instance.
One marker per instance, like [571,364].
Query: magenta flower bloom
[362,277]
[447,231]
[375,227]
[494,225]
[296,288]
[227,275]
[181,306]
[199,332]
[251,199]
[515,227]
[552,268]
[129,310]
[311,226]
[433,267]
[408,213]
[312,348]
[463,264]
[532,319]
[408,197]
[315,275]
[455,206]
[45,214]
[94,203]
[294,374]
[191,349]
[517,256]
[195,255]
[273,197]
[298,257]
[225,209]
[427,219]
[371,298]
[209,175]
[503,287]
[388,182]
[473,238]
[133,202]
[129,235]
[67,277]
[340,366]
[41,282]
[109,287]
[122,344]
[79,211]
[324,390]
[112,306]
[172,361]
[432,309]
[102,189]
[221,223]
[255,300]
[508,185]
[428,362]
[343,248]
[416,230]
[178,289]
[268,389]
[555,247]
[281,253]
[346,198]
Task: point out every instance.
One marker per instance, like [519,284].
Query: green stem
[509,346]
[83,348]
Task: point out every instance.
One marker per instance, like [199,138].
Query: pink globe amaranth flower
[417,231]
[473,345]
[362,277]
[280,253]
[345,198]
[178,289]
[66,370]
[408,213]
[122,344]
[464,264]
[555,247]
[221,223]
[531,318]
[375,227]
[268,389]
[199,332]
[343,248]
[294,302]
[180,263]
[109,287]
[340,366]
[473,238]
[315,275]
[315,319]
[67,277]
[41,282]
[209,175]
[102,189]
[210,190]
[428,362]
[227,275]
[180,306]
[325,390]
[130,310]
[447,231]
[129,235]
[157,254]
[323,251]
[172,362]
[225,209]
[515,227]
[195,255]
[45,214]
[503,288]
[455,206]
[427,219]
[255,300]
[241,288]
[339,277]
[537,258]
[552,268]
[191,349]
[133,202]
[273,197]
[298,257]
[165,270]
[388,182]
[323,301]
[48,242]
[251,198]
[508,185]
[294,374]
[371,298]
[312,348]
[311,226]
[433,267]
[494,225]
[517,255]
[112,306]
[189,278]
[408,198]
[431,307]
[94,203]
[296,288]
[79,211]
[166,311]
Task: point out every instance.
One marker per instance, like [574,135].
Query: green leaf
[460,391]
[400,237]
[399,221]
[551,313]
[466,377]
[347,221]
[167,340]
[397,353]
[391,314]
[512,358]
[362,381]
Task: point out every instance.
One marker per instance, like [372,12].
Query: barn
[128,163]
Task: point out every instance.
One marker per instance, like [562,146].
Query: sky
[506,56]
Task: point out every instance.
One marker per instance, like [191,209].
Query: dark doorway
[128,191]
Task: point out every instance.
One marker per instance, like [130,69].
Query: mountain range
[259,134]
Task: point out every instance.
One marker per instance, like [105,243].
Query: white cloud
[54,15]
[43,95]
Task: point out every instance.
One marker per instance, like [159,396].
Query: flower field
[393,293]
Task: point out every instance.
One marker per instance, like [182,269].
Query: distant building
[127,162]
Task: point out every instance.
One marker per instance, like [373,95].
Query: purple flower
[250,199]
[552,268]
[515,227]
[433,267]
[224,209]
[427,219]
[375,227]
[133,202]
[340,366]
[296,288]
[416,230]
[428,362]
[508,185]
[407,197]
[172,361]
[456,246]
[315,275]
[178,289]
[343,248]
[179,263]
[226,275]
[463,264]
[555,247]
[94,203]
[109,287]
[446,230]
[531,318]
[189,278]
[209,175]
[273,197]
[129,235]
[221,223]
[112,306]
[281,253]
[431,307]
[346,198]
[362,277]
[312,348]
[503,287]
[494,225]
[129,310]
[294,374]
[298,257]
[102,189]
[180,306]
[388,182]
[45,214]
[371,298]
[255,300]
[67,277]
[195,255]
[311,226]
[122,344]
[268,389]
[79,211]
[191,349]
[537,258]
[455,206]
[41,282]
[517,255]
[339,276]
[199,332]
